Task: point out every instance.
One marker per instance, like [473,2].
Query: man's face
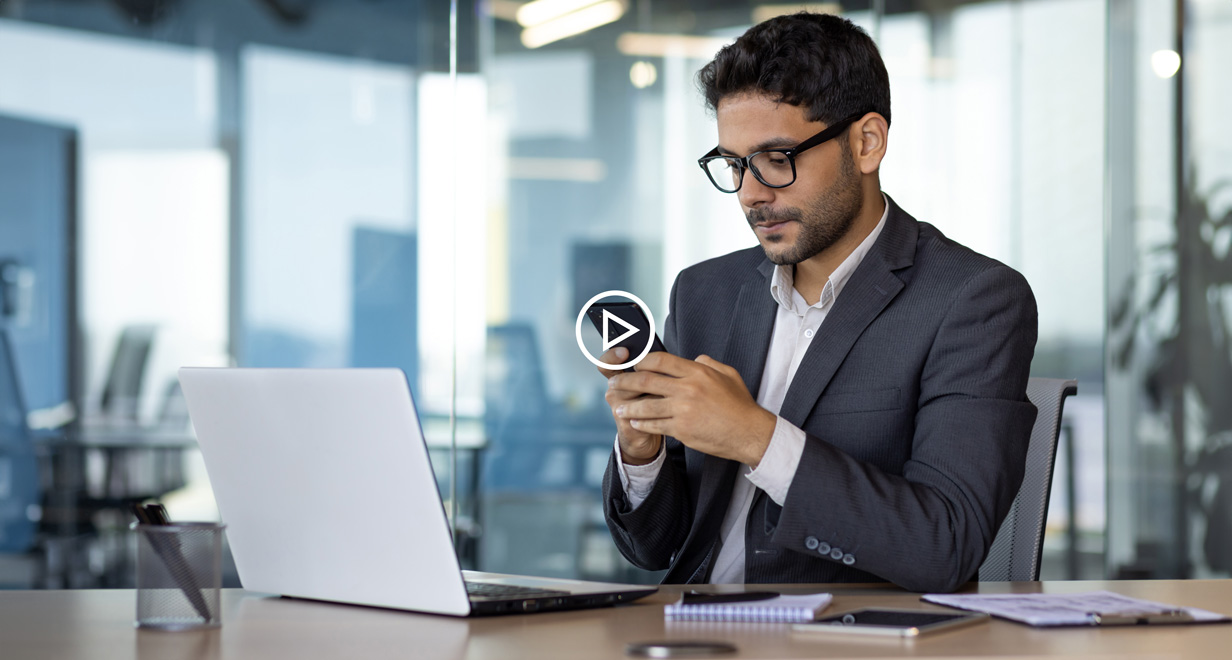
[804,219]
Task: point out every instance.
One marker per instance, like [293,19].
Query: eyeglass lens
[772,168]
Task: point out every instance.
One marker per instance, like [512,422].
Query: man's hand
[703,403]
[636,447]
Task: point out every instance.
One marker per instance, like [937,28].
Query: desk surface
[97,624]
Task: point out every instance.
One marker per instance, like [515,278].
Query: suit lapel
[748,338]
[748,342]
[871,287]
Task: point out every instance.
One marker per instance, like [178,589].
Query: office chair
[126,377]
[20,489]
[515,385]
[1015,552]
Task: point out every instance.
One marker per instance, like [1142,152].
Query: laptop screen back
[324,482]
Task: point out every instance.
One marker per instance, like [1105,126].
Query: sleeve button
[849,559]
[811,542]
[836,554]
[823,548]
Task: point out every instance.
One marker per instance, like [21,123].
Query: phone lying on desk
[891,623]
[630,314]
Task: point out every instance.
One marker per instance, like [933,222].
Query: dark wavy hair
[822,63]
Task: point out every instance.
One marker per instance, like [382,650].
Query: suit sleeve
[650,534]
[929,528]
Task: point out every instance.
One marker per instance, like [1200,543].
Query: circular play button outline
[582,345]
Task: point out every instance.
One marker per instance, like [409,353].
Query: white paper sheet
[1064,609]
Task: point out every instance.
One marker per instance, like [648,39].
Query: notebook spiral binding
[750,613]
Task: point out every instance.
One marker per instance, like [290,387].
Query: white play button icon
[609,343]
[605,322]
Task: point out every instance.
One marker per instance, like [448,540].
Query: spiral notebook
[757,607]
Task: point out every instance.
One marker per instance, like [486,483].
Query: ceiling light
[643,74]
[542,11]
[645,44]
[586,170]
[1165,63]
[573,23]
[766,12]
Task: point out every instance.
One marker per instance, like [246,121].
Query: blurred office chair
[517,411]
[121,400]
[534,502]
[1015,552]
[533,444]
[515,387]
[20,490]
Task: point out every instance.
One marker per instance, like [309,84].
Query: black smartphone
[891,622]
[626,326]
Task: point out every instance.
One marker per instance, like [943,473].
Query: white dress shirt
[795,325]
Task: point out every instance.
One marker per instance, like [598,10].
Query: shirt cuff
[639,480]
[778,465]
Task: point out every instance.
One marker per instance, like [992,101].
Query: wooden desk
[97,624]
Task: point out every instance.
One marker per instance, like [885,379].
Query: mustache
[763,216]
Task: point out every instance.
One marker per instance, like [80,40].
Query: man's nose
[753,192]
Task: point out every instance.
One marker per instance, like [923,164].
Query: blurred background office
[439,186]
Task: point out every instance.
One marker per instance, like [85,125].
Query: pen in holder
[179,575]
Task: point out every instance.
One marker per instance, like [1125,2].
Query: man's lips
[771,225]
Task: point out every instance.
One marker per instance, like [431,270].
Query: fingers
[654,426]
[724,369]
[644,382]
[664,374]
[648,408]
[667,364]
[614,356]
[615,397]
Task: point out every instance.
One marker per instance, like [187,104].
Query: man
[889,431]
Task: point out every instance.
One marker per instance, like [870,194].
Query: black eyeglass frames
[774,168]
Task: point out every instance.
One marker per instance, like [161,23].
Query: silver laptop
[323,479]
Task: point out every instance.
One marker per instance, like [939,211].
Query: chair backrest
[515,389]
[126,377]
[19,477]
[14,433]
[1015,552]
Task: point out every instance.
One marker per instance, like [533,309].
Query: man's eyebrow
[772,143]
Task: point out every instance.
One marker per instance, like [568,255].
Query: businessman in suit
[845,402]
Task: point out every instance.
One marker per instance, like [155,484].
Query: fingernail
[620,411]
[622,352]
[635,423]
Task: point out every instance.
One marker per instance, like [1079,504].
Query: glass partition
[599,190]
[1169,357]
[440,186]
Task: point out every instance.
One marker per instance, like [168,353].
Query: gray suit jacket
[913,399]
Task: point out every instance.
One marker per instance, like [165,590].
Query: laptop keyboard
[487,590]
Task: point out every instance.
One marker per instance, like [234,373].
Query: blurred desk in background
[92,475]
[529,503]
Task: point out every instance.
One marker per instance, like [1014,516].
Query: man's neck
[812,274]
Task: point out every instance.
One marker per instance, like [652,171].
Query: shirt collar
[782,283]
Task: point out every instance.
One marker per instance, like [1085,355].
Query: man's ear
[868,136]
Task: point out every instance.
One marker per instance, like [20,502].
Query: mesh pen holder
[179,575]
